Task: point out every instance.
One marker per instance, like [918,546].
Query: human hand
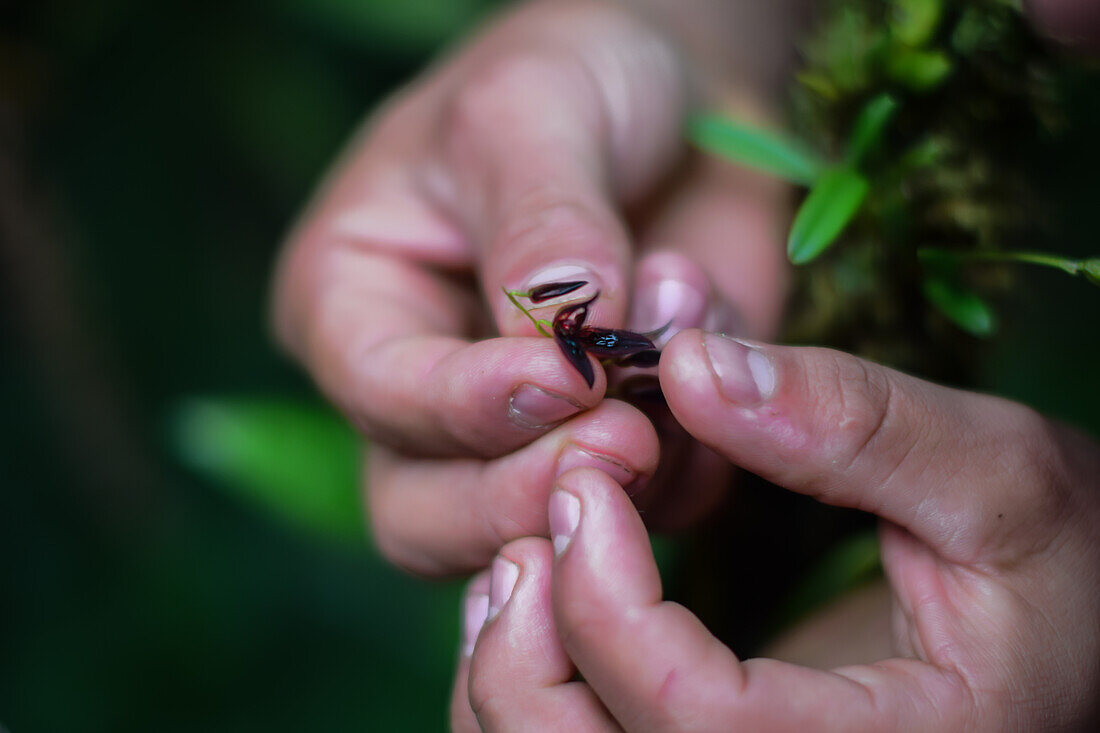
[512,162]
[989,542]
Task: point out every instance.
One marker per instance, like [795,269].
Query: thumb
[971,475]
[1076,23]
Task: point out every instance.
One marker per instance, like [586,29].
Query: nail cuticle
[743,375]
[535,408]
[602,458]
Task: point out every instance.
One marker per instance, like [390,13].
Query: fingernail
[576,457]
[503,582]
[475,612]
[565,515]
[565,272]
[534,407]
[745,375]
[671,302]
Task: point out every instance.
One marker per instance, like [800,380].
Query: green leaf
[756,148]
[401,27]
[298,461]
[967,310]
[833,202]
[914,21]
[845,567]
[870,126]
[1091,269]
[918,70]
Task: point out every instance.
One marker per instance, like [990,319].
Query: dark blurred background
[180,546]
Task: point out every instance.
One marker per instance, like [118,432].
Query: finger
[545,142]
[855,434]
[475,609]
[1075,23]
[383,345]
[673,293]
[729,222]
[366,297]
[439,517]
[520,677]
[656,667]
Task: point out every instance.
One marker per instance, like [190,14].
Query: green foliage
[922,112]
[296,461]
[851,563]
[409,26]
[968,311]
[948,259]
[870,127]
[754,147]
[833,202]
[913,22]
[918,69]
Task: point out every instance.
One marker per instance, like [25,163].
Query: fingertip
[606,559]
[475,609]
[1073,23]
[686,378]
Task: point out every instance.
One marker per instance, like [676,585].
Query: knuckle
[1028,457]
[387,521]
[483,692]
[543,215]
[859,405]
[499,89]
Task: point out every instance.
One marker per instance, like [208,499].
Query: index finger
[367,298]
[656,667]
[546,141]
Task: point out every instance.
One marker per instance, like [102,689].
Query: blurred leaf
[297,461]
[408,26]
[754,147]
[833,202]
[916,69]
[923,154]
[1091,268]
[870,126]
[966,309]
[914,21]
[819,84]
[942,260]
[853,561]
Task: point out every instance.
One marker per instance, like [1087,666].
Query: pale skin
[531,149]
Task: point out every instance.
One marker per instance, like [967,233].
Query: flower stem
[512,295]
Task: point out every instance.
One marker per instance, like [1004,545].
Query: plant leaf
[914,21]
[755,147]
[966,309]
[1091,268]
[869,127]
[919,70]
[843,568]
[833,202]
[298,461]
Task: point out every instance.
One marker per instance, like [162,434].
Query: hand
[989,516]
[512,163]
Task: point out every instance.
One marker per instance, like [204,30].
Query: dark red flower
[543,293]
[576,341]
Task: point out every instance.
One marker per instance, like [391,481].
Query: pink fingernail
[475,612]
[576,457]
[534,407]
[503,582]
[565,516]
[745,375]
[670,302]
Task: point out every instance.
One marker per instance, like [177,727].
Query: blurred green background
[178,545]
